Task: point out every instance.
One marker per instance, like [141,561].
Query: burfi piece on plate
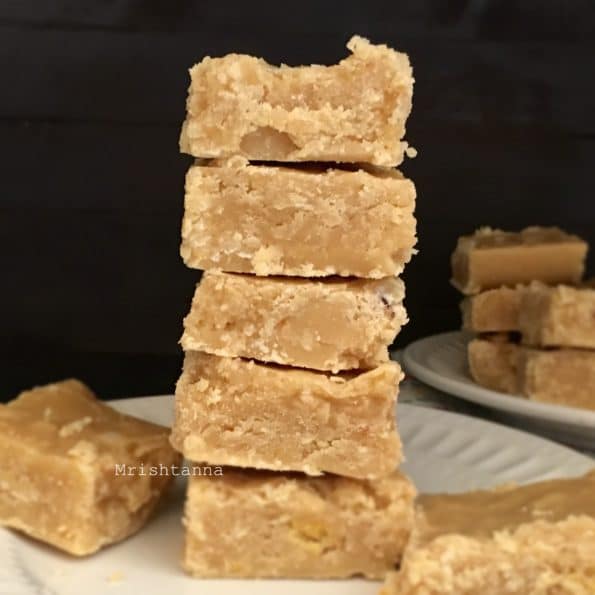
[528,540]
[332,324]
[492,311]
[354,111]
[557,376]
[559,316]
[490,258]
[70,468]
[231,411]
[279,220]
[260,524]
[494,363]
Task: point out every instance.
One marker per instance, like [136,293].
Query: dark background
[91,197]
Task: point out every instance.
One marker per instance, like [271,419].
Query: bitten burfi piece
[260,524]
[66,472]
[276,220]
[237,412]
[528,540]
[354,111]
[559,316]
[324,325]
[557,376]
[492,311]
[490,258]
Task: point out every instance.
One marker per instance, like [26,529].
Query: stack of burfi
[534,316]
[302,226]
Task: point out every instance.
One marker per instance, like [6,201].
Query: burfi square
[533,539]
[490,258]
[237,412]
[313,222]
[259,524]
[559,316]
[354,111]
[65,471]
[333,324]
[493,310]
[557,376]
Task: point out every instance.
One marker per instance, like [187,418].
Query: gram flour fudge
[332,324]
[312,222]
[558,376]
[258,524]
[236,412]
[490,258]
[533,539]
[354,111]
[60,448]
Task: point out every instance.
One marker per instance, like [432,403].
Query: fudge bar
[332,324]
[529,540]
[354,111]
[492,311]
[559,316]
[559,376]
[66,468]
[260,524]
[490,258]
[279,220]
[494,363]
[231,411]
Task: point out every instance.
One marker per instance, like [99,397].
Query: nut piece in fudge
[354,111]
[528,540]
[259,524]
[231,411]
[490,258]
[313,222]
[65,472]
[333,324]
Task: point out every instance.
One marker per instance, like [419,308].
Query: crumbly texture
[490,258]
[492,311]
[59,484]
[538,539]
[251,524]
[354,111]
[558,376]
[236,412]
[312,222]
[559,316]
[323,325]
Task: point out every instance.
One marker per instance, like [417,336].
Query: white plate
[441,362]
[445,451]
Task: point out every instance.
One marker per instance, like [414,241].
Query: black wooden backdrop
[92,98]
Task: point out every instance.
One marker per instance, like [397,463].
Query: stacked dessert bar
[534,315]
[302,226]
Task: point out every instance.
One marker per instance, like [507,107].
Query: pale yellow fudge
[492,311]
[70,468]
[312,222]
[333,324]
[537,539]
[354,111]
[559,316]
[494,363]
[259,524]
[490,258]
[231,411]
[558,376]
